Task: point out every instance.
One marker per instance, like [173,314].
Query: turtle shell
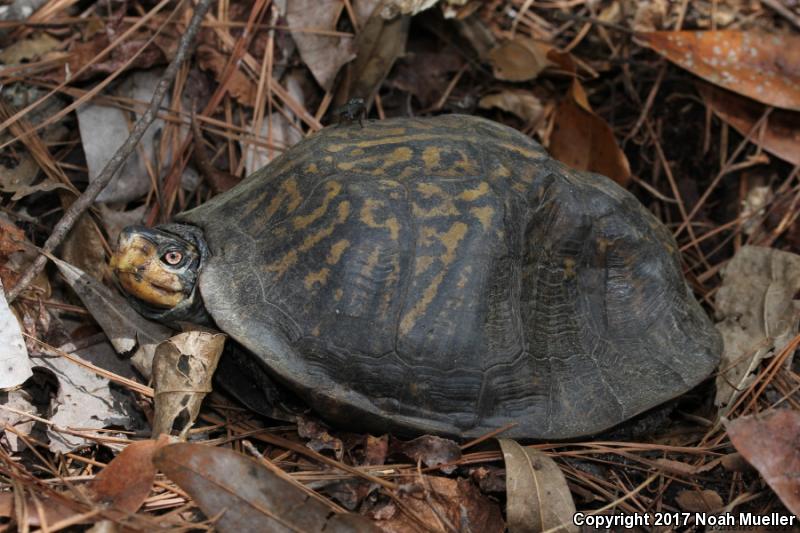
[445,275]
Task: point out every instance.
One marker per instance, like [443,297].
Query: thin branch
[88,197]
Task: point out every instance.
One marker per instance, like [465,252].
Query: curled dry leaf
[537,492]
[126,481]
[699,501]
[245,496]
[29,49]
[319,438]
[323,54]
[753,332]
[781,134]
[182,372]
[15,367]
[760,66]
[769,442]
[378,46]
[584,141]
[128,331]
[431,450]
[521,103]
[443,505]
[239,85]
[519,59]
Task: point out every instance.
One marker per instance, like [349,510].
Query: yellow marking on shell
[336,251]
[342,212]
[484,215]
[357,151]
[337,294]
[463,277]
[302,222]
[287,193]
[312,169]
[429,190]
[532,154]
[320,277]
[368,218]
[501,171]
[520,187]
[422,263]
[391,281]
[400,154]
[431,156]
[470,195]
[282,265]
[569,268]
[445,209]
[450,240]
[400,138]
[372,261]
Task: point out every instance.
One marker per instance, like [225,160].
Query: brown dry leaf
[378,46]
[519,59]
[182,372]
[584,141]
[376,449]
[426,74]
[245,496]
[324,55]
[12,239]
[83,246]
[128,331]
[768,441]
[82,53]
[431,450]
[239,86]
[699,501]
[29,49]
[319,437]
[456,500]
[761,66]
[676,467]
[521,103]
[781,135]
[125,482]
[54,510]
[537,492]
[751,332]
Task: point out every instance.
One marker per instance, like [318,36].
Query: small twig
[783,11]
[88,197]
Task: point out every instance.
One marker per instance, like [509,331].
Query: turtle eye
[172,257]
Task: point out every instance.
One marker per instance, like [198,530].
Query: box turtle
[435,275]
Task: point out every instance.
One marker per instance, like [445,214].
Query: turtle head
[157,269]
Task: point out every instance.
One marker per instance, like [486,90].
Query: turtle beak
[137,265]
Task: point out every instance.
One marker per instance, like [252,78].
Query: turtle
[437,275]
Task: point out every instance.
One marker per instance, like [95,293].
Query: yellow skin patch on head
[312,278]
[450,240]
[336,251]
[142,275]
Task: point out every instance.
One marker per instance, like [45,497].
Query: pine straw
[637,476]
